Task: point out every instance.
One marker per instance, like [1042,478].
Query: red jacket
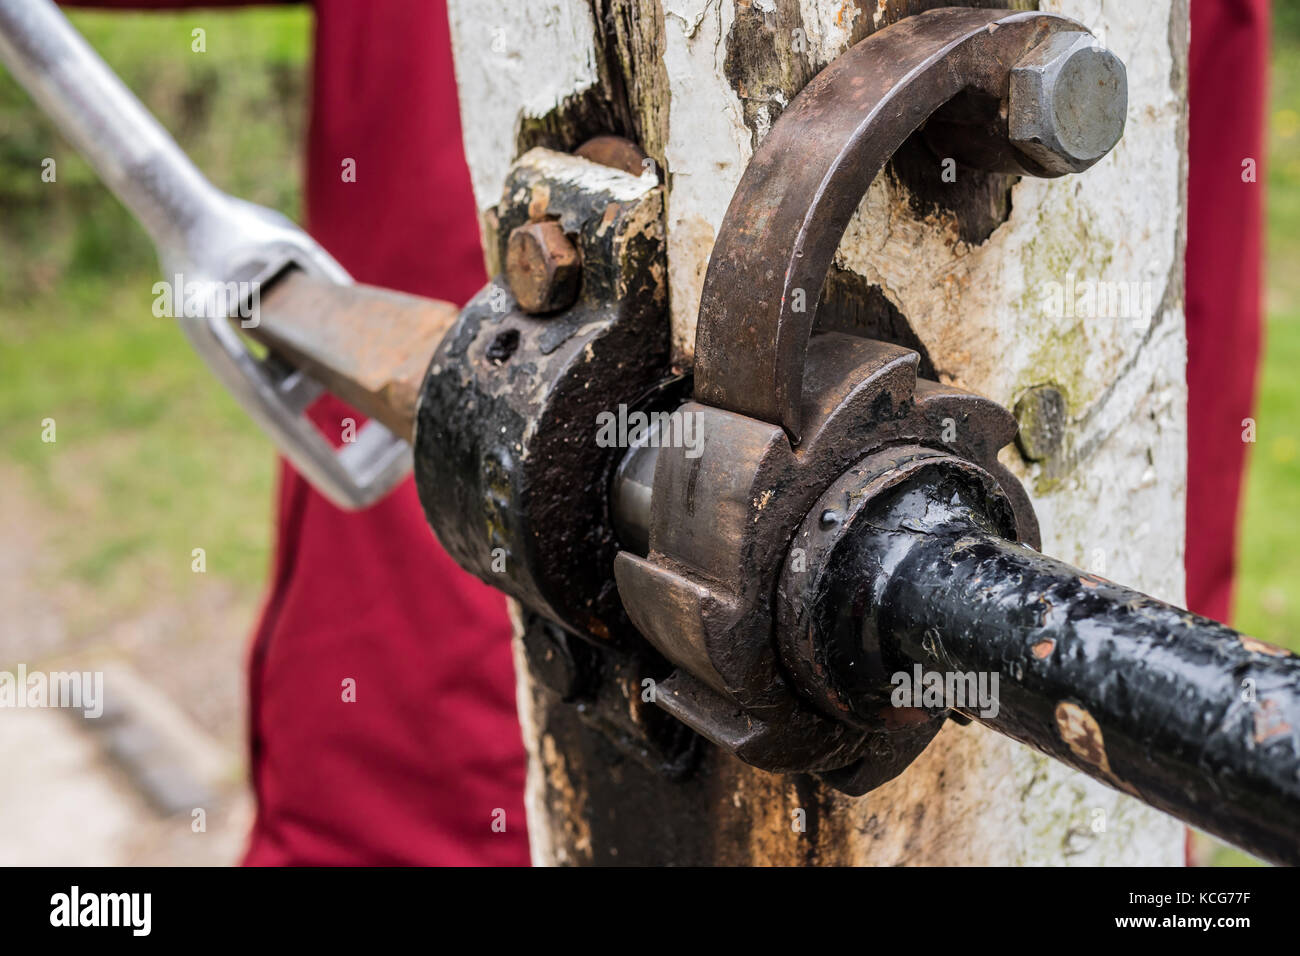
[415,770]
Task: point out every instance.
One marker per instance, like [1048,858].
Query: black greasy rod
[1186,714]
[1180,711]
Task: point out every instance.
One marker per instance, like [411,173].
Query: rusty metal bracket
[507,462]
[785,417]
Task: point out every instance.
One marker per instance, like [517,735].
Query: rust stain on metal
[1269,721]
[565,797]
[1082,734]
[539,202]
[610,217]
[614,151]
[1261,647]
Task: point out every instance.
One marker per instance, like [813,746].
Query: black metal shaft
[1178,710]
[1182,712]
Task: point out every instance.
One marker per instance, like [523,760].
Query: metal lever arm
[203,235]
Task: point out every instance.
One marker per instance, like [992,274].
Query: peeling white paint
[981,313]
[576,170]
[707,150]
[514,60]
[828,25]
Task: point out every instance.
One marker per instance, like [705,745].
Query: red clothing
[1228,90]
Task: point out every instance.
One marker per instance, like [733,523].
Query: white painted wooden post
[1033,304]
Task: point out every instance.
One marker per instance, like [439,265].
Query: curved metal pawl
[807,178]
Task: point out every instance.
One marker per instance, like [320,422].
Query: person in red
[426,766]
[1228,93]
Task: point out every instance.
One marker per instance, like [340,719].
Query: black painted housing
[508,465]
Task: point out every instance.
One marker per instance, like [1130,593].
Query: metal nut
[1067,102]
[542,267]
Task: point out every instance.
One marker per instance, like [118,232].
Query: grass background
[153,459]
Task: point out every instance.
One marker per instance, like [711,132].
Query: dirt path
[158,779]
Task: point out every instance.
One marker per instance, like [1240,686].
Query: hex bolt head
[1067,104]
[542,267]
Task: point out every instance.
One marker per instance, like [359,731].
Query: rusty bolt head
[615,151]
[542,267]
[1067,102]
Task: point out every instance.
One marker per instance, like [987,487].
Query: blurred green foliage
[1286,20]
[152,458]
[237,109]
